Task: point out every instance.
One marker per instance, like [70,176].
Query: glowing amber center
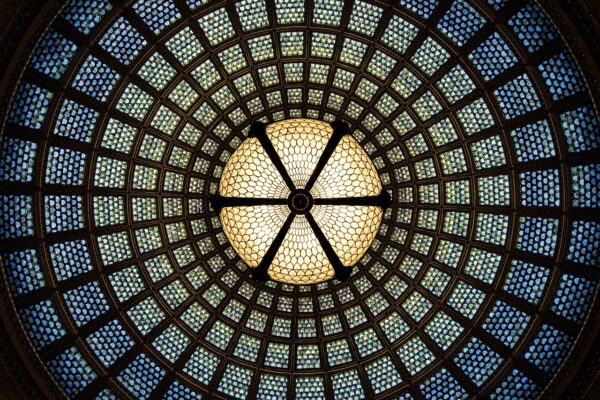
[348,173]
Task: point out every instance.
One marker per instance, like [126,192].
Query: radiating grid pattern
[252,229]
[300,144]
[396,266]
[251,174]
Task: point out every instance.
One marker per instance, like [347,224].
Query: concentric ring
[300,201]
[480,124]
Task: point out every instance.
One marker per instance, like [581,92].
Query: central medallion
[300,201]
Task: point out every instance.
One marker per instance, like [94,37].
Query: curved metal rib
[382,200]
[341,272]
[340,129]
[218,202]
[259,131]
[260,273]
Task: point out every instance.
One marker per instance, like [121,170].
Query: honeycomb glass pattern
[252,174]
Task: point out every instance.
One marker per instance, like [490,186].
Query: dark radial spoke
[340,128]
[218,202]
[341,272]
[383,200]
[261,272]
[259,131]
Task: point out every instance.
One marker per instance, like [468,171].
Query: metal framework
[563,161]
[300,200]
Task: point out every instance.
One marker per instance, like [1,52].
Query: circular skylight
[300,201]
[478,279]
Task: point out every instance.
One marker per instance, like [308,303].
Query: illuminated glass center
[300,201]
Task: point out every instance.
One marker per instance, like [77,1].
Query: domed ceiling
[475,115]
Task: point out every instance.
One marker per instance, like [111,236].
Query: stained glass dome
[479,278]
